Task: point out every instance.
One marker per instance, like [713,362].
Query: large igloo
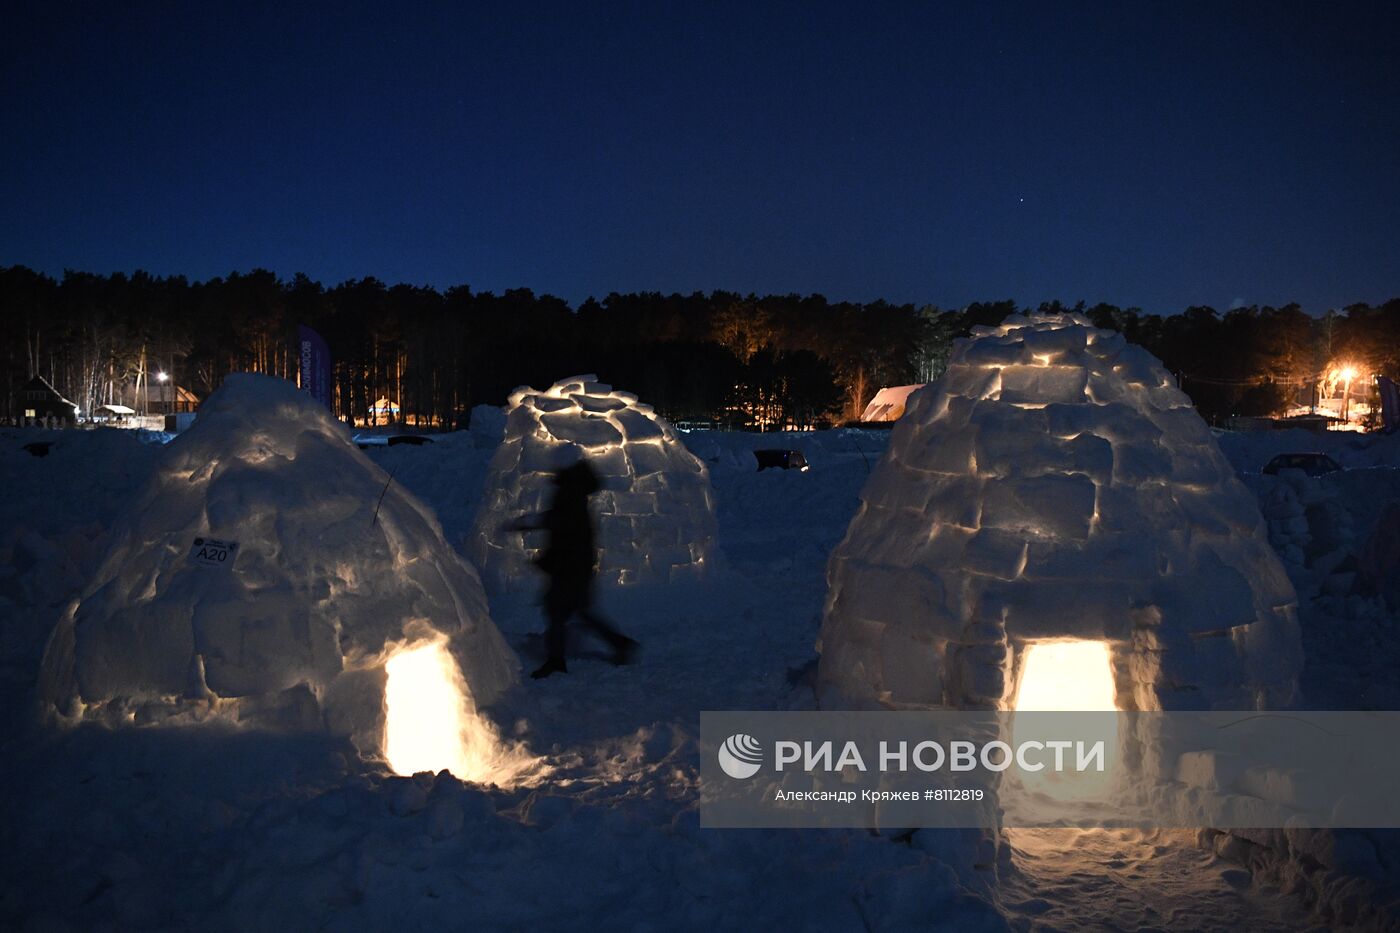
[1056,488]
[269,574]
[655,514]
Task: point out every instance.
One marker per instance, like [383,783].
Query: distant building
[180,421]
[159,398]
[40,404]
[112,413]
[888,403]
[1318,424]
[384,411]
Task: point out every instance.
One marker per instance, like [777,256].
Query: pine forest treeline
[721,357]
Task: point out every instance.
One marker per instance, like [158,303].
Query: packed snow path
[1124,879]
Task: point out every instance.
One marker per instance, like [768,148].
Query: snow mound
[655,513]
[1056,485]
[336,569]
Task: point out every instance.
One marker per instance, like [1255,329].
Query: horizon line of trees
[740,360]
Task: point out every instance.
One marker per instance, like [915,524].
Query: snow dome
[1056,494]
[655,514]
[271,575]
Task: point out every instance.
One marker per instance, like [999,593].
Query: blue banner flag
[315,364]
[1390,404]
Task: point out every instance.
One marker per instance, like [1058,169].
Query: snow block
[583,430]
[1043,506]
[1042,385]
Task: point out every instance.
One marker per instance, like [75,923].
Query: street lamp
[162,376]
[1348,373]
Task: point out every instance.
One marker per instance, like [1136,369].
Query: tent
[888,404]
[384,411]
[111,412]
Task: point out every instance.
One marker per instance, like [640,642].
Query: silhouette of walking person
[568,562]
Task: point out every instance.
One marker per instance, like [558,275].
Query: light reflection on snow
[431,723]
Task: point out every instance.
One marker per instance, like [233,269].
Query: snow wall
[1053,485]
[655,515]
[336,567]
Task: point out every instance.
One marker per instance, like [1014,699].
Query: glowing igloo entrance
[431,724]
[1055,487]
[1063,677]
[424,713]
[1067,676]
[339,607]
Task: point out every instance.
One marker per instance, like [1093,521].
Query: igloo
[1056,491]
[269,574]
[655,514]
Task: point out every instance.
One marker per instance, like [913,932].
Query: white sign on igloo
[1055,486]
[331,577]
[655,513]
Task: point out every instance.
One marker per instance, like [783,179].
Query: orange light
[1066,676]
[431,723]
[427,711]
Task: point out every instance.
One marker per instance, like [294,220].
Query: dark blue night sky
[1154,155]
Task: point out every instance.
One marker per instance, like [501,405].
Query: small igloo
[1056,489]
[655,514]
[270,574]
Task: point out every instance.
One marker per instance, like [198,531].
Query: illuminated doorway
[426,717]
[1066,677]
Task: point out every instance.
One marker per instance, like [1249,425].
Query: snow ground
[225,830]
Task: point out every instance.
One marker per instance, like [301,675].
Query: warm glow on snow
[427,713]
[1066,676]
[431,723]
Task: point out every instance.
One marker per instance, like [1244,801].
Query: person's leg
[557,611]
[622,646]
[600,626]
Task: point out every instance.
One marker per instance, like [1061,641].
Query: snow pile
[82,477]
[1286,515]
[487,424]
[54,522]
[331,570]
[442,474]
[1312,531]
[1056,485]
[655,513]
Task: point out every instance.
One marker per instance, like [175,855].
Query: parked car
[366,441]
[1312,464]
[781,460]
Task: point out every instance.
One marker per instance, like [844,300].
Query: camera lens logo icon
[740,756]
